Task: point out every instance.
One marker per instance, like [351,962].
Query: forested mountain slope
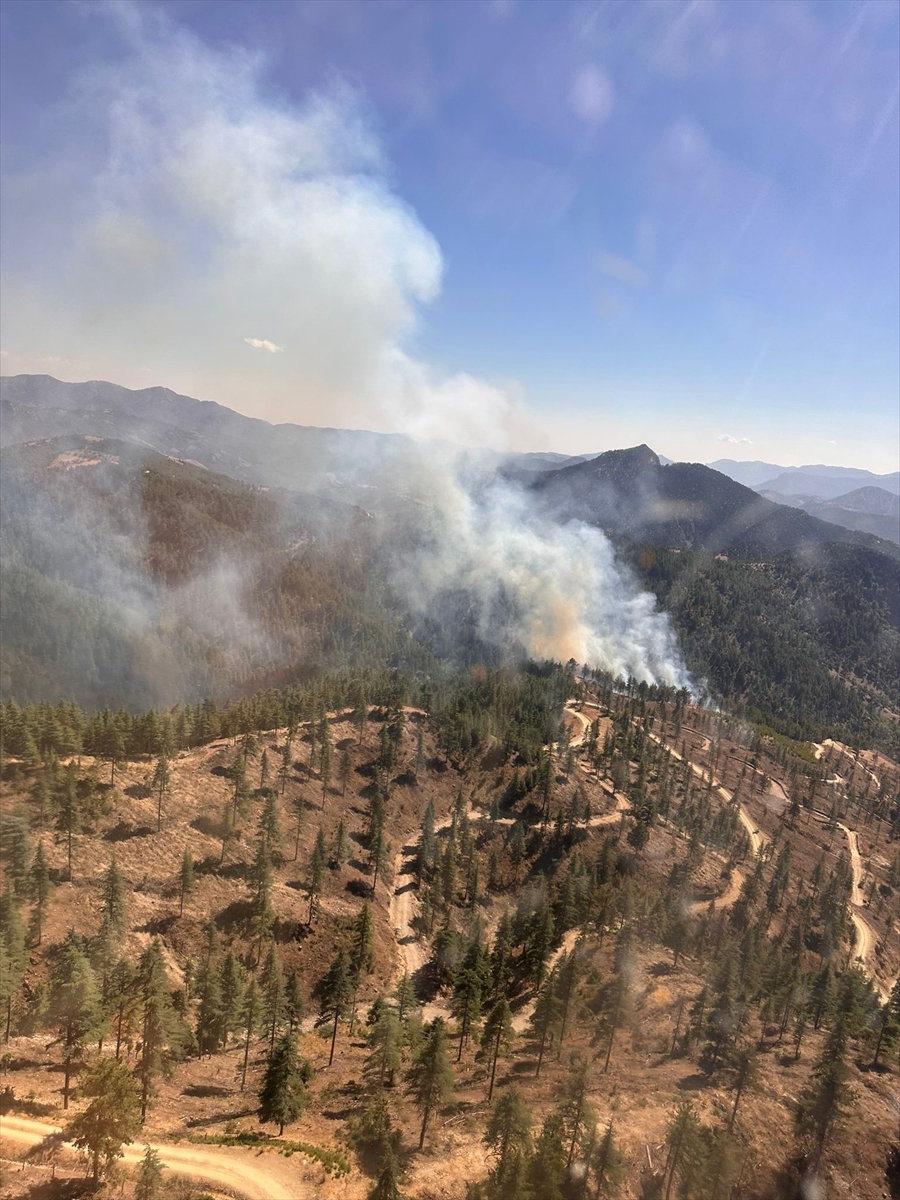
[686,505]
[137,579]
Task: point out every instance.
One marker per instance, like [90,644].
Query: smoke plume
[221,212]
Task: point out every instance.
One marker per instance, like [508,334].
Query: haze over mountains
[845,496]
[159,548]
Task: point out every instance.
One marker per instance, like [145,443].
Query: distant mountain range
[762,474]
[846,496]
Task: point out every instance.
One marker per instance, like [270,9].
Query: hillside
[685,505]
[667,896]
[132,578]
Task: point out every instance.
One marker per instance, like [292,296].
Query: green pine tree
[282,1096]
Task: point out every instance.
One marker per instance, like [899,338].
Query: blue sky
[541,225]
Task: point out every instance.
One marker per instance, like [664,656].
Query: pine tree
[294,1007]
[285,770]
[380,858]
[607,1165]
[578,1117]
[340,853]
[231,990]
[361,942]
[162,778]
[315,874]
[112,747]
[282,1096]
[121,999]
[547,1168]
[326,756]
[335,990]
[15,851]
[824,1101]
[546,1017]
[497,1037]
[12,945]
[111,1119]
[430,1077]
[69,821]
[115,907]
[262,914]
[270,824]
[298,804]
[40,894]
[683,1137]
[508,1136]
[163,1033]
[186,879]
[250,1018]
[149,1180]
[615,1000]
[427,848]
[387,1185]
[467,990]
[272,994]
[745,1070]
[74,1005]
[385,1047]
[405,996]
[345,770]
[228,832]
[887,1024]
[517,849]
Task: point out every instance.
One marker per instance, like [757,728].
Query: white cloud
[219,209]
[592,96]
[734,441]
[622,269]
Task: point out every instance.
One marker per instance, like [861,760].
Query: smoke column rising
[225,224]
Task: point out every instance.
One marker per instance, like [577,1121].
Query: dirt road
[865,937]
[756,838]
[252,1175]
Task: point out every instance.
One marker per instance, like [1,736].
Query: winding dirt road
[865,936]
[756,838]
[253,1176]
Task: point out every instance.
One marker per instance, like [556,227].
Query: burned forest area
[535,933]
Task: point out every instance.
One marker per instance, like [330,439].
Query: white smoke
[554,590]
[220,209]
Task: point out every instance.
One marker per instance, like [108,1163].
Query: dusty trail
[250,1175]
[820,748]
[865,937]
[756,838]
[404,905]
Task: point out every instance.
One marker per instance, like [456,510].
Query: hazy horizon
[671,235]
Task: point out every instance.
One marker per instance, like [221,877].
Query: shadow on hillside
[158,926]
[694,1083]
[204,1091]
[139,791]
[218,1118]
[234,916]
[359,887]
[208,826]
[59,1189]
[125,830]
